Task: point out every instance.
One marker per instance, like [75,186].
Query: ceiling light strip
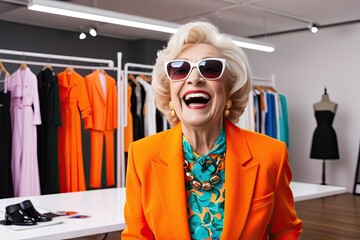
[100,15]
[254,46]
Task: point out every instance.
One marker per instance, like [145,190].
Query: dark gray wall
[145,50]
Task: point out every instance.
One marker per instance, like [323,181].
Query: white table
[105,208]
[306,191]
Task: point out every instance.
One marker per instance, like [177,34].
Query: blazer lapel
[97,83]
[240,177]
[169,174]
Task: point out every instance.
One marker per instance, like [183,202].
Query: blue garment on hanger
[270,116]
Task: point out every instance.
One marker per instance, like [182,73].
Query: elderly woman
[206,178]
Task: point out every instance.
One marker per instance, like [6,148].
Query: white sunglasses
[209,68]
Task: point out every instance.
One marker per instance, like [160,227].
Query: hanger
[146,78]
[69,70]
[102,71]
[132,78]
[2,67]
[259,87]
[23,66]
[271,88]
[48,67]
[265,88]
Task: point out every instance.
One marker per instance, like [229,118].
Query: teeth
[197,95]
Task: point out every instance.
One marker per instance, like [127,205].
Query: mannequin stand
[323,173]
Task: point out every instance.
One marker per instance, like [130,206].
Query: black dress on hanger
[137,108]
[47,132]
[6,184]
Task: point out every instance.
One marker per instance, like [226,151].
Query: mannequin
[325,103]
[324,142]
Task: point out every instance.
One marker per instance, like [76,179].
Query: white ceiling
[246,18]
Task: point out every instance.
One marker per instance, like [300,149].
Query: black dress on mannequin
[324,142]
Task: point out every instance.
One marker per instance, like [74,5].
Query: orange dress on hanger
[73,101]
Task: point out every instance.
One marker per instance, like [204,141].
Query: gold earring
[172,111]
[227,108]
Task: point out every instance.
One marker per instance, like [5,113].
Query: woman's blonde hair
[237,66]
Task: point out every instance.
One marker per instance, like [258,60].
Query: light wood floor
[331,218]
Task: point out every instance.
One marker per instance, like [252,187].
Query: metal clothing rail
[120,157]
[139,73]
[55,64]
[108,62]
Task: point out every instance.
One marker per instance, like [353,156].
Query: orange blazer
[104,109]
[258,199]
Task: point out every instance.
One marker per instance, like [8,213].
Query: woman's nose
[195,77]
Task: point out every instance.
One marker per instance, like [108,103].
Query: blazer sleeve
[136,225]
[284,224]
[84,104]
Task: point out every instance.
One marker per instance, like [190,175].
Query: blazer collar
[240,176]
[68,79]
[97,82]
[169,174]
[46,79]
[19,77]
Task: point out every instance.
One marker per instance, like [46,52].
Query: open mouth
[196,98]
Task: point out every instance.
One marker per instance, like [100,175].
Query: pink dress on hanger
[25,115]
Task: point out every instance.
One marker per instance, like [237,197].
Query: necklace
[204,174]
[213,180]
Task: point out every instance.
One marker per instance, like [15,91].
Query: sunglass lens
[178,70]
[211,68]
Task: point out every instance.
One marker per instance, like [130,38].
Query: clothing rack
[263,81]
[123,114]
[105,64]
